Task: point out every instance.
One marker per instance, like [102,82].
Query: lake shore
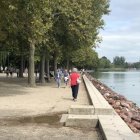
[128,110]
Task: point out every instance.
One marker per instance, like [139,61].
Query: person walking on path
[74,76]
[58,77]
[17,71]
[66,77]
[26,72]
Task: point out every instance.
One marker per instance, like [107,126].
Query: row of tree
[118,62]
[62,32]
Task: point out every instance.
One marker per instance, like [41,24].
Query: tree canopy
[119,61]
[56,30]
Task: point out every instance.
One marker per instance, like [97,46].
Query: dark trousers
[75,91]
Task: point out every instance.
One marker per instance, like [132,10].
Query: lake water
[125,83]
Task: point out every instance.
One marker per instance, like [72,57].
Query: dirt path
[34,113]
[16,99]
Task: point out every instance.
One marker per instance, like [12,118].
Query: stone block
[64,118]
[103,111]
[81,110]
[86,121]
[114,128]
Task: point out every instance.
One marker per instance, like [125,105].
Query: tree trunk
[42,68]
[48,69]
[55,64]
[31,76]
[67,66]
[21,66]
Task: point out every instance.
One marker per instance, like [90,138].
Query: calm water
[124,83]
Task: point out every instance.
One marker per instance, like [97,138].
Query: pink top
[73,78]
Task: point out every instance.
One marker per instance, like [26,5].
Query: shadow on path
[10,86]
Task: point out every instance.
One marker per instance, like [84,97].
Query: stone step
[103,111]
[64,118]
[87,121]
[81,110]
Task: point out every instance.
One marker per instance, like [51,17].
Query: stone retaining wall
[126,109]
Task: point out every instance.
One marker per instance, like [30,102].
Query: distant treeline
[118,63]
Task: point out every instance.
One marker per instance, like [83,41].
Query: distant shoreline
[117,69]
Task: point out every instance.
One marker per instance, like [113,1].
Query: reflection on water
[125,83]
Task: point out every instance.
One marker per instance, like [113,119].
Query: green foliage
[119,61]
[135,65]
[85,57]
[76,24]
[104,62]
[60,27]
[3,57]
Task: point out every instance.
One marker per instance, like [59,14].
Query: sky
[121,34]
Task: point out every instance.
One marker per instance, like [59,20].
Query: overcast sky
[121,34]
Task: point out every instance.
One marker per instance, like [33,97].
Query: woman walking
[74,76]
[58,77]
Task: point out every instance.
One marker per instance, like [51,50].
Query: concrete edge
[97,100]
